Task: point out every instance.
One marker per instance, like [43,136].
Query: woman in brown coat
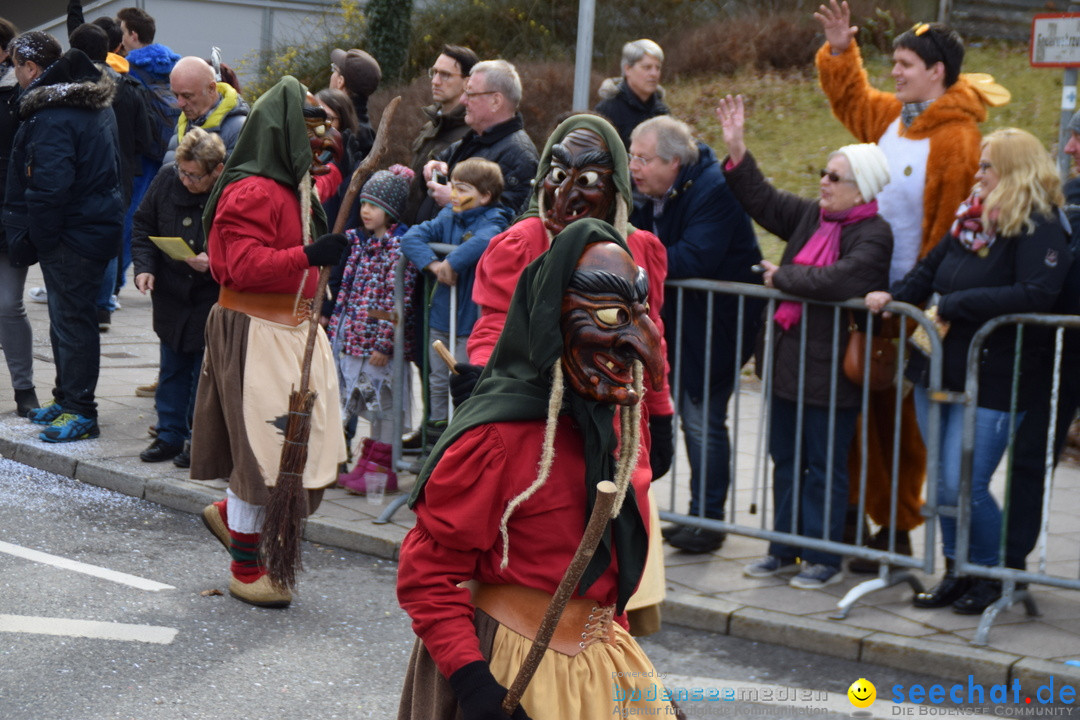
[837,247]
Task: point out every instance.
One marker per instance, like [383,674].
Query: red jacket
[255,241]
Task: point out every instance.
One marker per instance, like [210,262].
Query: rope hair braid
[630,442]
[305,224]
[547,456]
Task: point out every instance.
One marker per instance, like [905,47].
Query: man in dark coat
[446,119]
[635,97]
[136,139]
[707,235]
[496,132]
[63,204]
[1024,519]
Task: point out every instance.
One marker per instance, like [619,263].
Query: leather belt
[583,622]
[275,307]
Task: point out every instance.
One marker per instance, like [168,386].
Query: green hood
[273,144]
[615,145]
[516,385]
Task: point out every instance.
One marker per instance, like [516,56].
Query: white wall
[241,28]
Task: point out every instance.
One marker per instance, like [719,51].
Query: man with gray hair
[496,132]
[635,97]
[707,235]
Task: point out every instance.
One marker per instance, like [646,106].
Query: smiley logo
[862,693]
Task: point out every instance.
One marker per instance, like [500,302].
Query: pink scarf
[823,248]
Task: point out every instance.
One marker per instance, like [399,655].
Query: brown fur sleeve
[864,111]
[950,175]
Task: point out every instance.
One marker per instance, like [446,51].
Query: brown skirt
[249,368]
[427,694]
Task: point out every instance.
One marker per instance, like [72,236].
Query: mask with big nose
[606,327]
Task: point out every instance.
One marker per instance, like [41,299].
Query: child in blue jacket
[472,218]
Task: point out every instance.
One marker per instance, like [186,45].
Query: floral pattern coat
[361,324]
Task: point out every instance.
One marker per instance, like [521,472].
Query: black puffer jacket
[863,266]
[625,110]
[1020,274]
[182,297]
[508,145]
[63,183]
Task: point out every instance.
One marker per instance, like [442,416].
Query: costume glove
[480,695]
[326,250]
[663,445]
[462,384]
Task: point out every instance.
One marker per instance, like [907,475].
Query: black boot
[25,401]
[880,541]
[983,593]
[949,590]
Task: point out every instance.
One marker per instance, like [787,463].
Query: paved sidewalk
[705,592]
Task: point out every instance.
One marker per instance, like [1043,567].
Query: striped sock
[244,548]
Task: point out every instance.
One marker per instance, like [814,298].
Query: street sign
[1055,40]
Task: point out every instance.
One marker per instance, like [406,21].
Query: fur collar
[86,94]
[612,86]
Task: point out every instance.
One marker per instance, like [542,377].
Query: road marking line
[76,566]
[87,628]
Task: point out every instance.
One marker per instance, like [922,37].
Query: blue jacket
[471,231]
[707,235]
[63,183]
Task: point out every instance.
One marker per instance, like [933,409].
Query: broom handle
[598,522]
[446,356]
[360,175]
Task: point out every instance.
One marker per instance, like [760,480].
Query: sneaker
[770,565]
[147,390]
[104,319]
[815,577]
[69,427]
[45,414]
[38,295]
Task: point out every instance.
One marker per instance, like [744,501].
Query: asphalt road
[109,608]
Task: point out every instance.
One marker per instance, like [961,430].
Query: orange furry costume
[946,134]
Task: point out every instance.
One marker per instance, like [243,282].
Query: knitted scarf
[822,249]
[969,229]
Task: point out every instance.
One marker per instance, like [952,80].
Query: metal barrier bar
[400,368]
[1014,580]
[895,567]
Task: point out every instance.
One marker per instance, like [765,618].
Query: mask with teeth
[326,142]
[580,182]
[606,327]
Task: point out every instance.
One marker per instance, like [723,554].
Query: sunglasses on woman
[834,178]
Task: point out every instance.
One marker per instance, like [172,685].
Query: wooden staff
[287,509]
[446,355]
[594,530]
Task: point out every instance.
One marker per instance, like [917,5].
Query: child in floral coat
[362,325]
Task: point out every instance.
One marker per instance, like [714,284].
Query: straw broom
[287,509]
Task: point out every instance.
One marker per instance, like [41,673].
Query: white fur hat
[869,166]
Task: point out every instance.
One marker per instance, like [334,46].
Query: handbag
[882,370]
